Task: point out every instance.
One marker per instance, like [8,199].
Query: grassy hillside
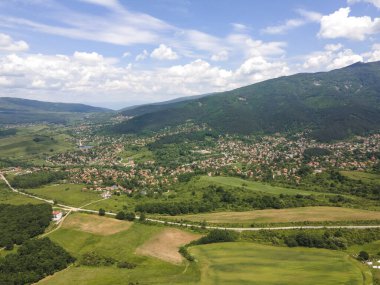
[309,214]
[333,104]
[247,263]
[16,110]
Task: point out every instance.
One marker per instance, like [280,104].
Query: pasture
[9,197]
[309,214]
[121,245]
[248,263]
[252,185]
[364,176]
[34,144]
[69,194]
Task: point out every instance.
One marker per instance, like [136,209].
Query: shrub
[102,212]
[125,264]
[218,236]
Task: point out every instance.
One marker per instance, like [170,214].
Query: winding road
[80,209]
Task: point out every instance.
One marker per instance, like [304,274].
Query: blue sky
[118,53]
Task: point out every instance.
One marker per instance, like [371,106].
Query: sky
[115,53]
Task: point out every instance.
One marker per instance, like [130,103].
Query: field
[69,194]
[225,263]
[165,245]
[247,263]
[311,214]
[122,246]
[33,144]
[364,176]
[9,197]
[251,185]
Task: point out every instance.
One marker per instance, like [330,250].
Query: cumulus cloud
[10,45]
[374,54]
[88,57]
[142,55]
[333,56]
[376,3]
[341,25]
[164,52]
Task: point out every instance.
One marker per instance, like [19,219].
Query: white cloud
[142,55]
[163,52]
[126,54]
[88,57]
[374,54]
[8,44]
[238,27]
[307,17]
[333,56]
[220,56]
[376,3]
[340,25]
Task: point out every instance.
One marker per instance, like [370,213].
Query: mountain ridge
[333,104]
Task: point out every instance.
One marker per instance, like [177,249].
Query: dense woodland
[34,260]
[36,179]
[20,223]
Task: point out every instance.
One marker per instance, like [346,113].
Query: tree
[120,215]
[142,217]
[363,255]
[102,212]
[130,216]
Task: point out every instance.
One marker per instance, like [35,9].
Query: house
[106,195]
[57,215]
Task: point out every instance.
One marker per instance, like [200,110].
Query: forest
[20,223]
[34,260]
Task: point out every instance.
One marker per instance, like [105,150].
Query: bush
[363,255]
[125,264]
[102,212]
[185,253]
[218,236]
[95,259]
[120,216]
[130,216]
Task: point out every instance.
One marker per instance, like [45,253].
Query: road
[80,209]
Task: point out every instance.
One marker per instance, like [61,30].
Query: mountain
[16,110]
[154,107]
[333,105]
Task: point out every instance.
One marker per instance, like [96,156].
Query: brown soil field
[95,224]
[165,245]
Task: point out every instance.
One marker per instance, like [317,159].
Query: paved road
[75,209]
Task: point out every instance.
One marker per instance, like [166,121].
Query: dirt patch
[165,245]
[95,224]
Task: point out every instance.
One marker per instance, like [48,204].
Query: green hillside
[332,104]
[16,110]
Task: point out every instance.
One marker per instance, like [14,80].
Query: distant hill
[16,110]
[154,107]
[334,105]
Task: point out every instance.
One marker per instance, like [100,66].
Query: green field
[311,214]
[252,185]
[24,146]
[223,263]
[121,246]
[364,176]
[9,197]
[248,263]
[69,194]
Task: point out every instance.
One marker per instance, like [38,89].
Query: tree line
[36,179]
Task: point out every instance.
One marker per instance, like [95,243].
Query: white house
[57,215]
